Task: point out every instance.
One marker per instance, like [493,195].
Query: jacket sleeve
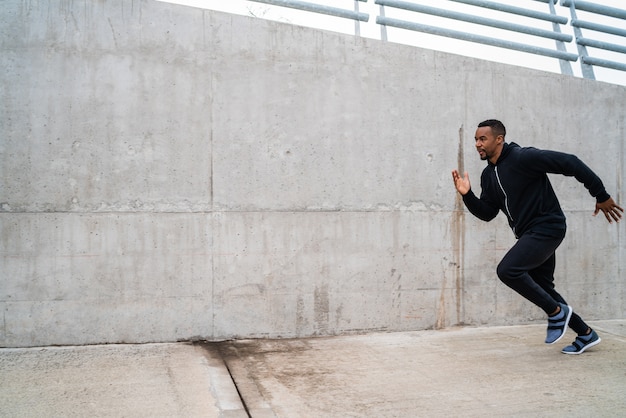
[480,208]
[568,165]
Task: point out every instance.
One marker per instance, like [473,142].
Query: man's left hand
[611,210]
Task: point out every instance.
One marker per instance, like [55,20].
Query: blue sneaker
[557,324]
[581,343]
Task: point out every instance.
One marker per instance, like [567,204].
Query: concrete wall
[173,173]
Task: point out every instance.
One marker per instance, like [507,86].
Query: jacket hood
[506,149]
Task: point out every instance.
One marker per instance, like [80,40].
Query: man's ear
[500,139]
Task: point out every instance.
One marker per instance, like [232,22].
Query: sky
[372,30]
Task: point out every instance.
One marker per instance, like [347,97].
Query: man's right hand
[462,184]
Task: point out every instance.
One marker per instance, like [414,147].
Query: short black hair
[496,126]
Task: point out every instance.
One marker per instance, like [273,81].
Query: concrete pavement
[469,372]
[150,380]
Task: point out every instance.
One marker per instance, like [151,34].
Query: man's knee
[505,272]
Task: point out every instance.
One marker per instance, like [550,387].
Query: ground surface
[499,371]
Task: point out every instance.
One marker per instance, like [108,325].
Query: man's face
[487,144]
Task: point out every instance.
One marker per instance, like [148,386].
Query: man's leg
[528,268]
[544,277]
[587,337]
[529,253]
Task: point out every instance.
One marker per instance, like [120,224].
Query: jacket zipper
[506,200]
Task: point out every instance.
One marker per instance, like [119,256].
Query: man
[515,182]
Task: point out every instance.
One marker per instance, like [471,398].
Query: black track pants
[528,268]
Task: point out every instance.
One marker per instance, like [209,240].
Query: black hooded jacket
[518,185]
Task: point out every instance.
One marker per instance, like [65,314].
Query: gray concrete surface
[152,380]
[171,173]
[464,372]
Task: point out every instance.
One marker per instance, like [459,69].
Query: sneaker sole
[582,350]
[569,316]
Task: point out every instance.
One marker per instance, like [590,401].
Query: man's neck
[494,158]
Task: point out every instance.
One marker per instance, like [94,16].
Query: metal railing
[435,30]
[536,27]
[586,61]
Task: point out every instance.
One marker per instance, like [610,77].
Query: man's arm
[479,208]
[570,165]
